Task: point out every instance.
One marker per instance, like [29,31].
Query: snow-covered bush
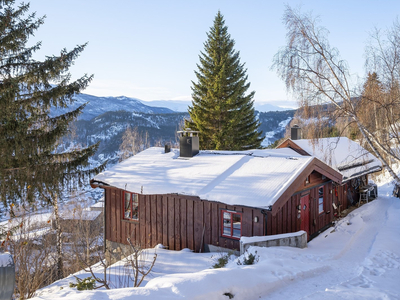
[87,283]
[222,260]
[249,258]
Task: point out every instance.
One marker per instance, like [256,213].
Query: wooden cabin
[213,198]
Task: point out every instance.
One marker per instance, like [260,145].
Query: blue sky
[149,49]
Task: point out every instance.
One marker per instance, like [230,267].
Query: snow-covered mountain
[99,105]
[175,105]
[182,106]
[266,107]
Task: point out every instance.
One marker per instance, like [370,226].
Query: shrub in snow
[230,295]
[84,284]
[249,259]
[222,261]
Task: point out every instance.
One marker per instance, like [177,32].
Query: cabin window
[321,199]
[231,224]
[131,205]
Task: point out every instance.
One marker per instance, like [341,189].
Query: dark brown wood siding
[176,221]
[287,219]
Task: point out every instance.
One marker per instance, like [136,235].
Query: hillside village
[220,196]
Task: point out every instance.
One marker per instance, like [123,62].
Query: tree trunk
[60,267]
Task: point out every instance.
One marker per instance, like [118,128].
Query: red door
[305,214]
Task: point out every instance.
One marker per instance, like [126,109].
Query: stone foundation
[116,251]
[296,239]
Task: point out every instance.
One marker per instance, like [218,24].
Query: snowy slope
[357,259]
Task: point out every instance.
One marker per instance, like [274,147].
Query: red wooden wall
[176,221]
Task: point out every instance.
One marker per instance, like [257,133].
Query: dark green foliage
[249,259]
[88,283]
[221,261]
[221,110]
[230,295]
[29,161]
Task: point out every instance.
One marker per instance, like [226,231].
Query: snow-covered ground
[359,258]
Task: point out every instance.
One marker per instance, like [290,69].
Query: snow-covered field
[359,258]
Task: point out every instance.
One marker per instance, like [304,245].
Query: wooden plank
[198,225]
[127,231]
[177,229]
[247,221]
[279,227]
[289,214]
[207,222]
[124,233]
[148,222]
[107,204]
[269,224]
[165,220]
[112,216]
[159,219]
[118,215]
[190,231]
[153,214]
[284,217]
[330,201]
[215,227]
[295,211]
[184,243]
[258,226]
[171,221]
[142,220]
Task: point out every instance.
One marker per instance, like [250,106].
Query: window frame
[133,208]
[231,212]
[323,200]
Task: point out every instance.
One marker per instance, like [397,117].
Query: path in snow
[366,267]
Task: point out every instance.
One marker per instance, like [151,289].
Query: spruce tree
[31,167]
[221,111]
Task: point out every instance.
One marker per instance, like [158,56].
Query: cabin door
[305,214]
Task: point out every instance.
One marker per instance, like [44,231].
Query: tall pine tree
[31,167]
[29,160]
[221,111]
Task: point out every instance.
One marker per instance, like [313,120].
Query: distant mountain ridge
[182,106]
[99,105]
[105,119]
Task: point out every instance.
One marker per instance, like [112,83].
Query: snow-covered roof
[255,178]
[342,154]
[84,215]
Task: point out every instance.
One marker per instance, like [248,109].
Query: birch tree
[313,70]
[133,142]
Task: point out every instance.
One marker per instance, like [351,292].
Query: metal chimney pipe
[295,132]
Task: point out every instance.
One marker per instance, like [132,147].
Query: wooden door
[305,214]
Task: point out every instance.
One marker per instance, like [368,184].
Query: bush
[84,284]
[250,259]
[222,261]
